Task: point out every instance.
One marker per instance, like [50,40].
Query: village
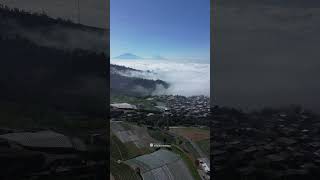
[173,110]
[271,144]
[178,121]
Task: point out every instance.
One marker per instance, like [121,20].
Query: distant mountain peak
[158,57]
[128,56]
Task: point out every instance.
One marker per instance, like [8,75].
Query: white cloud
[187,78]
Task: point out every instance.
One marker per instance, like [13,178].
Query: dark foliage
[132,86]
[38,77]
[33,74]
[34,20]
[271,143]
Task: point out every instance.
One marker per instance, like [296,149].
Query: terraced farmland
[123,172]
[161,136]
[127,141]
[130,133]
[131,145]
[119,151]
[192,133]
[197,140]
[161,165]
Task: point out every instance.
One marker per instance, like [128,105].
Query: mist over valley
[182,78]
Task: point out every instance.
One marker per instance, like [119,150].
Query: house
[204,166]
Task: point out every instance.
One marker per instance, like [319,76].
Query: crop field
[190,149]
[192,133]
[127,150]
[204,145]
[121,151]
[132,134]
[161,136]
[196,141]
[162,164]
[123,172]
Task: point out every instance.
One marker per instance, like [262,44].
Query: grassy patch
[122,151]
[133,150]
[122,171]
[125,151]
[193,133]
[204,145]
[162,136]
[191,149]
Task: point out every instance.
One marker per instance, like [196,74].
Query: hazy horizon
[185,78]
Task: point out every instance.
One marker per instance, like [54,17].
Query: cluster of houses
[198,106]
[266,145]
[177,110]
[171,111]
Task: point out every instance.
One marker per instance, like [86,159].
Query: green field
[147,104]
[191,149]
[190,164]
[193,133]
[162,136]
[204,145]
[123,151]
[120,151]
[123,172]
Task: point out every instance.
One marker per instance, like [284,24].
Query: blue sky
[169,28]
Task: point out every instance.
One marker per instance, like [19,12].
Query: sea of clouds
[185,78]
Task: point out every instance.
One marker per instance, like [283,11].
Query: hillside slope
[124,82]
[38,76]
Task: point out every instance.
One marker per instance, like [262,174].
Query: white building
[204,166]
[123,106]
